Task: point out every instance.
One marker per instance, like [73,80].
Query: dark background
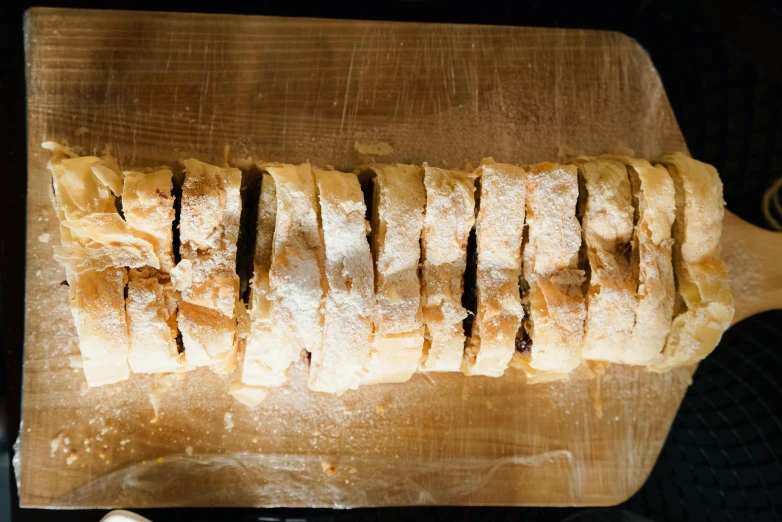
[721,64]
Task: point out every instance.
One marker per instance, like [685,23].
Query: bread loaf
[637,281]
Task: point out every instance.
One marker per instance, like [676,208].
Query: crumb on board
[565,153]
[55,443]
[228,420]
[328,468]
[45,237]
[189,451]
[80,131]
[245,163]
[250,396]
[71,459]
[162,384]
[380,148]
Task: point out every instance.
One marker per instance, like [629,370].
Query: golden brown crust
[704,308]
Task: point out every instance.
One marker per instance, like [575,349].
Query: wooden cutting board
[163,87]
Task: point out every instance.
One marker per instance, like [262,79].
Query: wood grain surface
[161,87]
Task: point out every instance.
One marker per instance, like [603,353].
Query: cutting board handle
[754,259]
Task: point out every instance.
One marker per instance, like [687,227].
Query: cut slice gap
[583,258]
[176,192]
[470,295]
[523,339]
[366,178]
[245,247]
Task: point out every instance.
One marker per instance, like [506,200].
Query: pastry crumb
[328,468]
[380,148]
[44,238]
[71,459]
[80,131]
[228,419]
[55,443]
[189,451]
[162,384]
